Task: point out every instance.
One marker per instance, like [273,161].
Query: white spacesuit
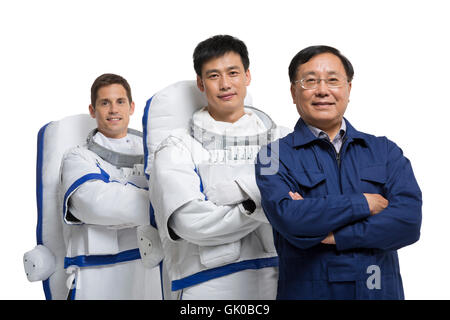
[88,207]
[105,199]
[216,247]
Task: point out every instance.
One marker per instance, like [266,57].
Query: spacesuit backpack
[46,261]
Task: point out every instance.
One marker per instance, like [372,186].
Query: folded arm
[110,204]
[399,224]
[182,208]
[91,197]
[304,223]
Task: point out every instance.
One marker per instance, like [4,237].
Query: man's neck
[330,130]
[111,135]
[231,117]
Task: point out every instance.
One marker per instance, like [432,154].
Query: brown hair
[106,80]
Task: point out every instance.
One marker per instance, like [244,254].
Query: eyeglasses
[335,81]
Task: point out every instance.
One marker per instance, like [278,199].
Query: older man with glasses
[341,202]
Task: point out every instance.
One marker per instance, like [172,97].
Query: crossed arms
[350,221]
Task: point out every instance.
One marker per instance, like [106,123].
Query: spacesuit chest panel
[228,164]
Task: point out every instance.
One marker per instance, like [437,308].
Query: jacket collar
[303,135]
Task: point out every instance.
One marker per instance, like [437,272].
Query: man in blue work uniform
[341,202]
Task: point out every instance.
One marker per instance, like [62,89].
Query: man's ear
[293,93]
[248,77]
[200,84]
[92,111]
[131,108]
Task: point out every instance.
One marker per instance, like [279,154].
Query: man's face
[225,82]
[112,111]
[321,107]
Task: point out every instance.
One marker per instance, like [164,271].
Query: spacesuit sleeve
[399,224]
[248,182]
[180,205]
[91,197]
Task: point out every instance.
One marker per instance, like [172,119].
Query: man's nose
[322,88]
[225,83]
[113,108]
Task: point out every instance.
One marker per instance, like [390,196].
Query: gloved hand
[39,263]
[150,246]
[225,193]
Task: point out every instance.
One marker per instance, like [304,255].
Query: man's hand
[225,193]
[376,202]
[329,239]
[295,196]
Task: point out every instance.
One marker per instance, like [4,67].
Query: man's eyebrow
[313,73]
[211,71]
[310,73]
[232,68]
[218,71]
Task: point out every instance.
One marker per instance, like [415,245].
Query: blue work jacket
[364,263]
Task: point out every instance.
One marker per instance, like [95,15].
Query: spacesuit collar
[118,159]
[211,140]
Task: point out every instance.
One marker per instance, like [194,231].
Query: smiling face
[322,107]
[224,81]
[112,111]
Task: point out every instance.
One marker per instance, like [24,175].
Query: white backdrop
[51,51]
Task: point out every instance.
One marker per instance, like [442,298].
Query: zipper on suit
[338,157]
[338,154]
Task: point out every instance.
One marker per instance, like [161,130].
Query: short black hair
[308,53]
[106,80]
[218,46]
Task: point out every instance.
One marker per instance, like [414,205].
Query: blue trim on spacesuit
[201,183]
[144,134]
[39,187]
[144,129]
[152,217]
[136,186]
[103,176]
[130,183]
[39,199]
[161,279]
[213,273]
[102,260]
[103,172]
[151,210]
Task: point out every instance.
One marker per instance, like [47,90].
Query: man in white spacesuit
[105,199]
[216,238]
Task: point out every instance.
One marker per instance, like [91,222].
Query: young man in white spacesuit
[105,199]
[216,238]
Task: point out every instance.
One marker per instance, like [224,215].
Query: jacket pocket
[214,256]
[309,182]
[373,178]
